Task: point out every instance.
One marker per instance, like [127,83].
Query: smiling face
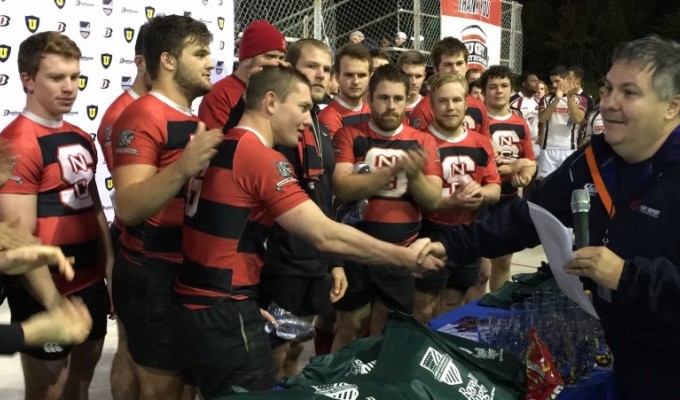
[54,88]
[291,116]
[633,114]
[316,65]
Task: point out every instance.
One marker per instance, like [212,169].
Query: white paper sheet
[557,243]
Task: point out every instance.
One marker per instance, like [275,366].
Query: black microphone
[580,206]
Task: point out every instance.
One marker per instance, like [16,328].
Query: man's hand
[597,263]
[339,280]
[199,151]
[12,235]
[521,180]
[23,259]
[413,162]
[425,259]
[67,323]
[466,196]
[571,88]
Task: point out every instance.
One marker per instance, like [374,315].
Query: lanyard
[602,191]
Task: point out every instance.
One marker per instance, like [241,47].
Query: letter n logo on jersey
[106,60]
[505,141]
[92,111]
[150,12]
[82,82]
[220,22]
[5,51]
[109,183]
[382,160]
[129,34]
[60,3]
[32,23]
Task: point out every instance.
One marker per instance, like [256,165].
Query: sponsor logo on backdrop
[83,4]
[108,182]
[107,6]
[126,82]
[71,113]
[220,2]
[61,27]
[3,79]
[32,23]
[4,20]
[84,29]
[106,60]
[93,136]
[126,10]
[205,21]
[220,22]
[125,61]
[92,111]
[221,44]
[474,39]
[82,82]
[205,2]
[187,13]
[105,84]
[8,113]
[5,51]
[86,58]
[150,12]
[60,3]
[108,32]
[219,67]
[129,34]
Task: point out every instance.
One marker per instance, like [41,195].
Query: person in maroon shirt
[261,44]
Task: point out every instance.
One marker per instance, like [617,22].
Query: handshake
[425,255]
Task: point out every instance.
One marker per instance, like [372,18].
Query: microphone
[580,206]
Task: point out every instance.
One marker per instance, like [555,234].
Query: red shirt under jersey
[217,104]
[153,131]
[246,187]
[56,161]
[392,214]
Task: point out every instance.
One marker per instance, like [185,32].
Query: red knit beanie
[260,37]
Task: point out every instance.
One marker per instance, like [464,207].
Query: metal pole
[416,24]
[318,20]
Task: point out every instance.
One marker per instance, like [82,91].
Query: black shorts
[224,346]
[459,276]
[23,305]
[115,233]
[141,298]
[300,295]
[394,286]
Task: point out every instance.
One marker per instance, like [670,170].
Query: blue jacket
[642,322]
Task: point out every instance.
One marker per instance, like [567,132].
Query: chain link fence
[332,21]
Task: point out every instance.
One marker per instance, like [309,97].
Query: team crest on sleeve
[124,141]
[416,123]
[286,173]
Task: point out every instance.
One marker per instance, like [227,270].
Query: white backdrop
[477,23]
[105,31]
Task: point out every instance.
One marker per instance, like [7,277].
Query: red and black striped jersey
[56,161]
[392,215]
[217,104]
[339,114]
[471,155]
[246,187]
[476,118]
[511,139]
[106,129]
[153,131]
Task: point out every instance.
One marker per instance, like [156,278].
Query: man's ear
[27,82]
[673,110]
[168,61]
[270,102]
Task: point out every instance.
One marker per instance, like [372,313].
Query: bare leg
[424,305]
[351,325]
[500,272]
[124,385]
[156,384]
[449,300]
[479,290]
[378,317]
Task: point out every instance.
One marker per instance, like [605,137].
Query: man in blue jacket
[632,173]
